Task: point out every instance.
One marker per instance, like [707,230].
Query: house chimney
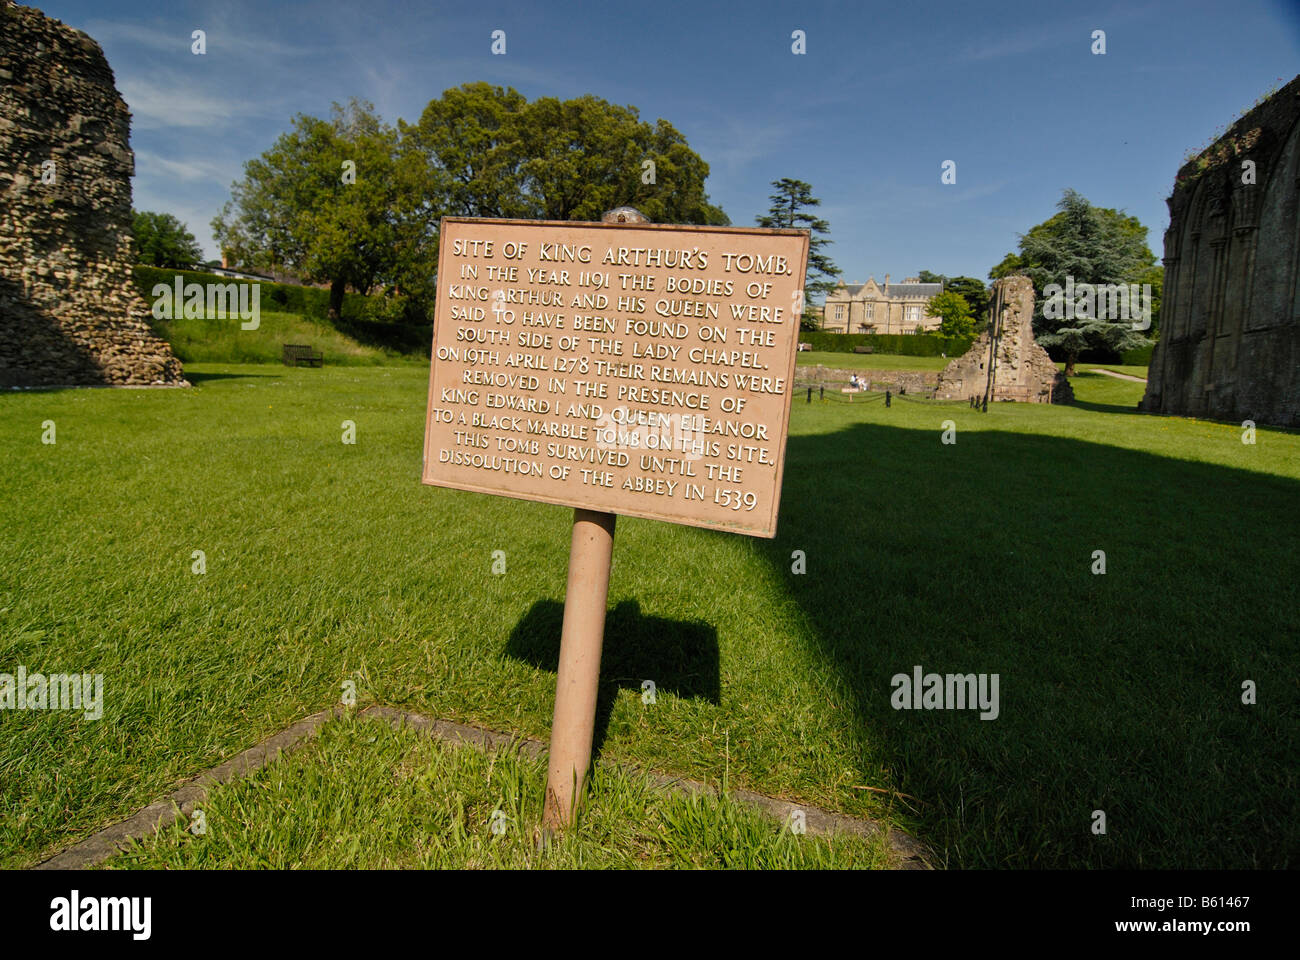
[886,279]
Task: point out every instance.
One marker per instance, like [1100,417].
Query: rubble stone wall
[1022,369]
[69,311]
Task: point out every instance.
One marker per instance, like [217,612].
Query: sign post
[591,551]
[619,367]
[581,639]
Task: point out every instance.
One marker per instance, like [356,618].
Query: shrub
[899,344]
[1141,357]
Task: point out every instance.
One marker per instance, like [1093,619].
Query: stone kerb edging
[907,852]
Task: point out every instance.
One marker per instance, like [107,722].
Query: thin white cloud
[1031,39]
[187,169]
[220,41]
[732,143]
[1025,40]
[137,34]
[165,102]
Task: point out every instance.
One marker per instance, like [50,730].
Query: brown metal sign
[635,369]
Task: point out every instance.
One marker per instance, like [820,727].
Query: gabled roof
[899,291]
[893,291]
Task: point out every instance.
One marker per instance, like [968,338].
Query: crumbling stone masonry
[69,312]
[1229,346]
[1022,370]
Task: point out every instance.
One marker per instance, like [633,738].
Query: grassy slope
[221,340]
[327,562]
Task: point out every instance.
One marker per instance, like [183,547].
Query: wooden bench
[866,349]
[299,354]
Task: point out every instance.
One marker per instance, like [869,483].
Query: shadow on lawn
[681,657]
[1119,692]
[199,378]
[1105,407]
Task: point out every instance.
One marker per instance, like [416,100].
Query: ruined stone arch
[1230,341]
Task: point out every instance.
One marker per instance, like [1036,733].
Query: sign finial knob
[624,215]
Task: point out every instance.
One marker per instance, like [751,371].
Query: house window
[913,314]
[839,311]
[871,311]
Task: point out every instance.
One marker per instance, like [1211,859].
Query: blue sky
[883,96]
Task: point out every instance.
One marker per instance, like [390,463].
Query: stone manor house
[880,308]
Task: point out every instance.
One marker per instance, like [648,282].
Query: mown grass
[219,339]
[364,795]
[329,562]
[1133,370]
[869,361]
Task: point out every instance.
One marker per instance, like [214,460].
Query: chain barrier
[930,401]
[835,394]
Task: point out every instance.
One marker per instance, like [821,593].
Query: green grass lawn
[869,361]
[1131,369]
[328,562]
[365,796]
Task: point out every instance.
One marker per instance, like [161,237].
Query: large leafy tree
[586,156]
[1091,245]
[976,295]
[468,144]
[329,201]
[972,290]
[491,153]
[163,241]
[791,208]
[477,151]
[954,313]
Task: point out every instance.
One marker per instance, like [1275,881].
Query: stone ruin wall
[70,313]
[1229,346]
[1022,370]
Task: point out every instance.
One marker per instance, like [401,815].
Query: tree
[1010,265]
[1087,244]
[790,205]
[973,291]
[491,153]
[976,295]
[355,203]
[1155,276]
[163,241]
[586,156]
[469,146]
[954,312]
[485,151]
[328,201]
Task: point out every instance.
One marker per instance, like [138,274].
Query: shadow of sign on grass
[677,656]
[1120,692]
